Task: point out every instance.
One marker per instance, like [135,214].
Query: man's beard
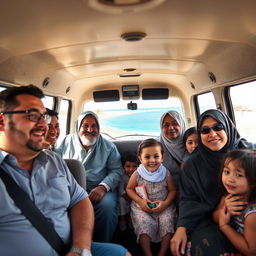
[88,141]
[30,144]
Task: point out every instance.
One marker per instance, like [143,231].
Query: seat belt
[33,214]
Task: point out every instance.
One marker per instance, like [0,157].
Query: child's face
[234,179]
[130,167]
[151,158]
[191,142]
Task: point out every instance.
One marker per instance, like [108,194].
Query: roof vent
[68,89]
[212,77]
[46,82]
[192,85]
[133,36]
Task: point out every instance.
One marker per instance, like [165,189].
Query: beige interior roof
[78,46]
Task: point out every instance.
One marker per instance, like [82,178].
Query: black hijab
[199,179]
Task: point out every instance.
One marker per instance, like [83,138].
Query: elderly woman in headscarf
[199,193]
[172,130]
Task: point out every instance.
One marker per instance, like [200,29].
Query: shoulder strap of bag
[33,214]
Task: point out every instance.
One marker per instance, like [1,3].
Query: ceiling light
[129,69]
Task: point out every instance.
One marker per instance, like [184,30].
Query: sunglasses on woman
[217,127]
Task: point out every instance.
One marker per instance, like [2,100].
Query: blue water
[147,122]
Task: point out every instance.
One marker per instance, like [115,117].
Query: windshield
[118,122]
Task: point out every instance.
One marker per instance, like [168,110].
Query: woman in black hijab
[199,186]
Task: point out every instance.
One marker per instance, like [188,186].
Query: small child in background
[236,212]
[130,164]
[190,141]
[154,214]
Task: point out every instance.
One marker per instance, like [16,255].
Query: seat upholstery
[127,145]
[78,171]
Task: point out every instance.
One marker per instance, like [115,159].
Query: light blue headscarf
[156,176]
[102,162]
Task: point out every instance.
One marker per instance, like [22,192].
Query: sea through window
[116,121]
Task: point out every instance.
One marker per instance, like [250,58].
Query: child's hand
[235,204]
[160,206]
[143,203]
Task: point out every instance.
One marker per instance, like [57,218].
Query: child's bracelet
[221,226]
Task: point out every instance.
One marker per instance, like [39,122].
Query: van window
[244,107]
[2,88]
[205,101]
[48,102]
[64,116]
[116,121]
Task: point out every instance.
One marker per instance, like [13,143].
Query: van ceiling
[79,46]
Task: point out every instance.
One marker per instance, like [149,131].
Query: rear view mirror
[132,106]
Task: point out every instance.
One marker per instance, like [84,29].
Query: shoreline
[106,115]
[117,132]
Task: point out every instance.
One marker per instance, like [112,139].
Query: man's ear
[2,121]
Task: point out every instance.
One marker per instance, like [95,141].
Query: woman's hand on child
[235,204]
[224,217]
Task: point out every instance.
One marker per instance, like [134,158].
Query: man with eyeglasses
[46,180]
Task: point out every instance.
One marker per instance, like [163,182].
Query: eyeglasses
[167,125]
[32,114]
[217,127]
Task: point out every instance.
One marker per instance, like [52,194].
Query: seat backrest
[127,145]
[78,171]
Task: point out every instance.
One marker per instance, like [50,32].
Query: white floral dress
[155,225]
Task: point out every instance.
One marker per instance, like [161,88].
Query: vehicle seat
[78,171]
[127,145]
